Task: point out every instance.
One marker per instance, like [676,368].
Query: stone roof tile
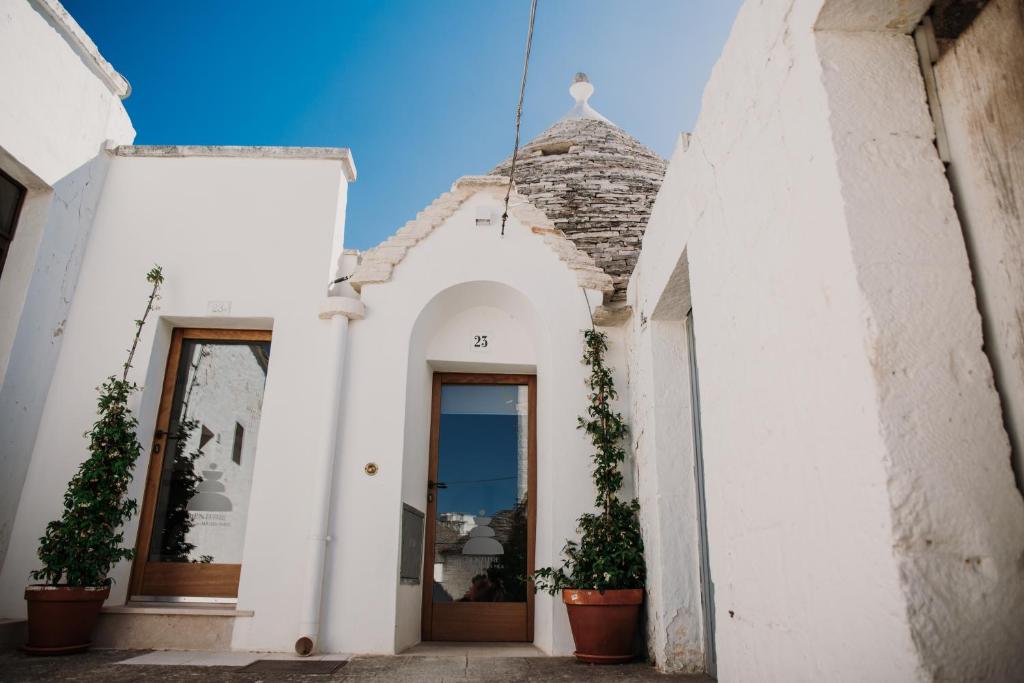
[595,182]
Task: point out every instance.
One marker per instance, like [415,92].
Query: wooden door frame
[442,378]
[219,574]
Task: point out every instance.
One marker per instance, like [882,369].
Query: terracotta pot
[61,619]
[604,624]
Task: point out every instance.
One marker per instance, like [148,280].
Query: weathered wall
[980,80]
[958,519]
[862,518]
[755,204]
[216,225]
[662,442]
[60,103]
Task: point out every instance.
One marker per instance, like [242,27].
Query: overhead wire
[519,112]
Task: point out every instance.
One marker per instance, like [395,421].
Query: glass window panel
[11,196]
[203,499]
[481,536]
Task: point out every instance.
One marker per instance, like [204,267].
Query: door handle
[431,485]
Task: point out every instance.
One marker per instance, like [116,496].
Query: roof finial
[581,90]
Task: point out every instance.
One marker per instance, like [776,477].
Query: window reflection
[481,529]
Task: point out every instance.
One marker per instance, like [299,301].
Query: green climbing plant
[610,552]
[80,548]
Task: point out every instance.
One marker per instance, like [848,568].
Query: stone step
[168,626]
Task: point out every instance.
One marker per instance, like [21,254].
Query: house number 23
[480,341]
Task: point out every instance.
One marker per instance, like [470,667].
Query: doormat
[293,666]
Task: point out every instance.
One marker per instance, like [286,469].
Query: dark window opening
[236,448]
[554,148]
[204,436]
[12,196]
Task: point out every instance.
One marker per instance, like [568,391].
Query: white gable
[378,263]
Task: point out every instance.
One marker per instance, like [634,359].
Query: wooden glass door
[200,472]
[481,509]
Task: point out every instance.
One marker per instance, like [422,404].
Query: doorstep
[168,626]
[208,609]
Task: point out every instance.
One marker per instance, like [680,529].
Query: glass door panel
[480,511]
[480,540]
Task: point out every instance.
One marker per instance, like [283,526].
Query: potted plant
[78,550]
[602,578]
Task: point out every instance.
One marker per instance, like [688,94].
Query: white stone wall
[863,523]
[661,435]
[61,102]
[219,227]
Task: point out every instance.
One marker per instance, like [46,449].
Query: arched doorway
[471,448]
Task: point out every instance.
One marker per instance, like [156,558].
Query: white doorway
[707,586]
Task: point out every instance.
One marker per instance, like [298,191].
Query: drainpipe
[337,310]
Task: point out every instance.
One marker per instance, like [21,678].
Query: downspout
[337,310]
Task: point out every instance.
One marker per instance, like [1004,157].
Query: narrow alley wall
[863,522]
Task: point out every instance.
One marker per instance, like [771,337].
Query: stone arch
[495,303]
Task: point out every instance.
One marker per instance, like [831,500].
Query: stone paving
[104,666]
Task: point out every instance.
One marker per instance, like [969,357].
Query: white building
[833,500]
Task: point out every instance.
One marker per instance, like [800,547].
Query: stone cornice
[343,154]
[378,263]
[81,43]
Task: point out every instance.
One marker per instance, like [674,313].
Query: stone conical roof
[595,182]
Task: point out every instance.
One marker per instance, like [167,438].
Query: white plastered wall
[254,232]
[662,441]
[863,523]
[59,108]
[459,278]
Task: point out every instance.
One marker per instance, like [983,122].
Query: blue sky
[422,92]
